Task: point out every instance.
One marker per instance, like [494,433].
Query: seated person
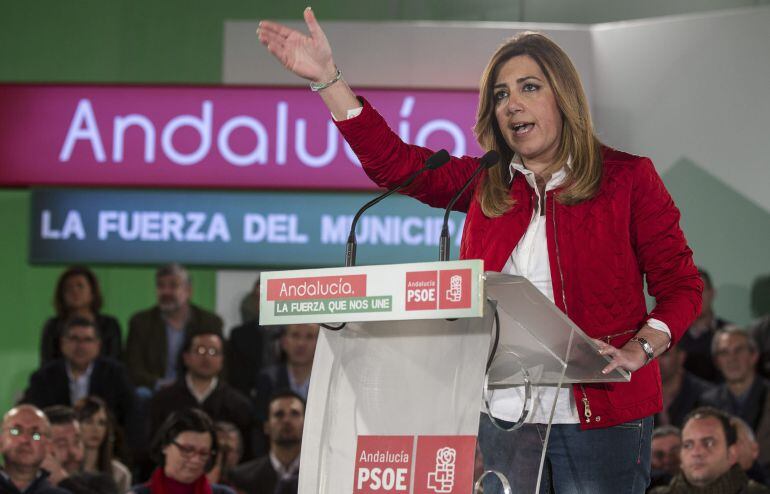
[278,471]
[298,343]
[90,483]
[66,452]
[156,335]
[230,452]
[78,295]
[743,392]
[24,443]
[184,449]
[709,457]
[98,429]
[748,451]
[298,347]
[82,372]
[201,387]
[666,443]
[681,389]
[251,347]
[696,342]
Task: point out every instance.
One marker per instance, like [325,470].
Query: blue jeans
[613,460]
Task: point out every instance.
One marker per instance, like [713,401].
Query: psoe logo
[444,289]
[442,479]
[455,289]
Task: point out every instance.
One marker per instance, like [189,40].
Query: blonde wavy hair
[578,139]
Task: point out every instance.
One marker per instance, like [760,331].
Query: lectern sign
[430,290]
[439,465]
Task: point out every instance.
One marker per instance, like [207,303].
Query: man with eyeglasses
[743,393]
[201,386]
[24,441]
[80,373]
[709,458]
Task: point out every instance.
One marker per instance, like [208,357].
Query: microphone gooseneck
[436,160]
[490,159]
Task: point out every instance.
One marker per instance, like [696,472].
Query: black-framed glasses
[190,451]
[34,434]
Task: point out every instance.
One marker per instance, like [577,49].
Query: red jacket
[599,251]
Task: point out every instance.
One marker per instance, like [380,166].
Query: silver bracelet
[317,86]
[648,349]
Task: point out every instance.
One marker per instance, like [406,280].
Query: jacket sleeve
[135,361]
[388,161]
[662,252]
[40,390]
[112,345]
[49,341]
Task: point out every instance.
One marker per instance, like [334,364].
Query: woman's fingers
[312,25]
[274,28]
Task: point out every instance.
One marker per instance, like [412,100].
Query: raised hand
[307,56]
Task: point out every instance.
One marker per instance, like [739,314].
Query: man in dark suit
[82,372]
[156,335]
[251,347]
[743,393]
[201,387]
[278,471]
[298,343]
[682,390]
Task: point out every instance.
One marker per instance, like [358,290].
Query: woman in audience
[98,432]
[78,294]
[185,448]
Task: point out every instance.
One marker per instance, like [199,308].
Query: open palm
[307,56]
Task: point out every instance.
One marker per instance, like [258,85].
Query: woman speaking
[585,223]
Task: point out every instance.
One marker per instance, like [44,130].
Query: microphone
[490,159]
[434,161]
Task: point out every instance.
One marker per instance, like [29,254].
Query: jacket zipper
[586,402]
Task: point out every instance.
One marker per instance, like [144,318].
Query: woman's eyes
[525,88]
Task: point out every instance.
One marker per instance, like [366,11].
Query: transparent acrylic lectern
[396,395]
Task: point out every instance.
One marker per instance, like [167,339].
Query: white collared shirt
[284,472]
[200,397]
[80,385]
[530,259]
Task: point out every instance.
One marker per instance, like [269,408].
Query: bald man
[25,441]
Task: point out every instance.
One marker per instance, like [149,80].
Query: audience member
[743,393]
[697,340]
[709,458]
[98,432]
[230,444]
[24,442]
[760,296]
[748,450]
[156,335]
[66,451]
[78,295]
[298,345]
[252,347]
[278,471]
[90,483]
[80,373]
[249,306]
[760,330]
[184,449]
[666,443]
[201,387]
[681,388]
